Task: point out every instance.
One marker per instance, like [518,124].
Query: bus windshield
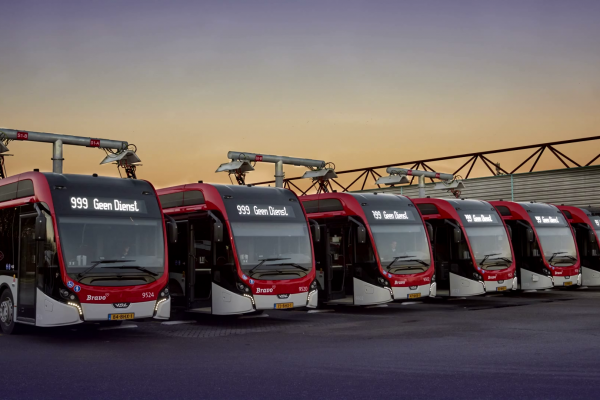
[488,238]
[555,238]
[96,248]
[558,245]
[277,250]
[490,246]
[402,248]
[110,230]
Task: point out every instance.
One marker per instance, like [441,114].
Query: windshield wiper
[554,255]
[135,267]
[407,259]
[265,260]
[570,257]
[394,260]
[298,266]
[488,256]
[96,263]
[295,265]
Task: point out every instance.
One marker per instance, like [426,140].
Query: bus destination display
[392,215]
[262,210]
[547,219]
[102,204]
[480,218]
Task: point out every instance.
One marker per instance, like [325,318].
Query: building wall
[573,186]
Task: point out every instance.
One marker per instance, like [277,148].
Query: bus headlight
[242,288]
[313,285]
[383,282]
[163,296]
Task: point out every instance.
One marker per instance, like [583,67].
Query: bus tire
[7,317]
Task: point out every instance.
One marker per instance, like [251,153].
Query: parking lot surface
[522,345]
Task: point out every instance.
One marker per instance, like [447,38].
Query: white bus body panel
[590,277]
[367,294]
[267,302]
[401,293]
[225,302]
[50,312]
[433,290]
[461,286]
[559,281]
[164,310]
[532,281]
[99,312]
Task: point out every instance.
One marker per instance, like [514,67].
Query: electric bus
[239,250]
[587,232]
[77,248]
[473,253]
[374,248]
[544,245]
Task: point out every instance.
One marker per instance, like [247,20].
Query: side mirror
[509,229]
[456,235]
[172,232]
[218,232]
[429,231]
[361,234]
[316,232]
[40,227]
[530,237]
[591,237]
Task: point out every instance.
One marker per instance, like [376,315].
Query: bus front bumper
[565,281]
[101,312]
[404,293]
[501,285]
[295,300]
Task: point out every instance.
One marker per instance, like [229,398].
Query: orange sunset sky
[359,83]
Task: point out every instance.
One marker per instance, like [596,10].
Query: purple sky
[354,82]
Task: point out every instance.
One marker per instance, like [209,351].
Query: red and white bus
[544,245]
[473,253]
[77,248]
[587,232]
[240,249]
[374,248]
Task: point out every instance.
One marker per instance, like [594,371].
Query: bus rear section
[587,232]
[543,244]
[373,248]
[77,248]
[471,247]
[239,250]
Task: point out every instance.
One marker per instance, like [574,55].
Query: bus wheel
[7,318]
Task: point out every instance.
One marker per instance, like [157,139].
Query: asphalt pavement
[529,345]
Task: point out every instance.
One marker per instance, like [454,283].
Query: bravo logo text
[259,290]
[96,298]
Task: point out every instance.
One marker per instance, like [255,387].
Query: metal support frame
[279,161]
[57,140]
[359,177]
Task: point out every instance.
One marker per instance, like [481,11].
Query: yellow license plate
[568,283]
[414,295]
[279,306]
[501,288]
[119,317]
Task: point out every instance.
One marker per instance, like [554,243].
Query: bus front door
[28,259]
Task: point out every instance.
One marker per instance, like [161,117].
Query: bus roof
[344,204]
[432,208]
